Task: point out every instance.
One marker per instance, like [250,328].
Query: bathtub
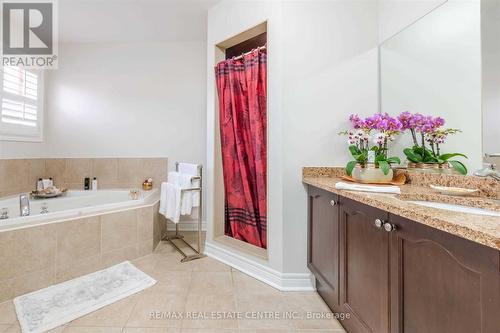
[83,232]
[73,204]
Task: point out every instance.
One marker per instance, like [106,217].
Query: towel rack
[197,252]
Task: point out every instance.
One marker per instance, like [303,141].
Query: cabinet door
[364,268]
[441,283]
[323,245]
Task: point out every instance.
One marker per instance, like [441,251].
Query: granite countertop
[481,229]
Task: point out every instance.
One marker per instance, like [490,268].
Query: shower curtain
[242,91]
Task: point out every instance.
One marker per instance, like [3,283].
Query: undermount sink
[457,208]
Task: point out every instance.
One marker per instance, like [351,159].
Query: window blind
[19,97]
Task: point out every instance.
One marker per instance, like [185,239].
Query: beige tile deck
[200,286]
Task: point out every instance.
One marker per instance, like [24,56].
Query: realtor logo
[29,33]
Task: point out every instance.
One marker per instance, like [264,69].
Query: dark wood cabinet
[441,283]
[408,278]
[364,268]
[323,252]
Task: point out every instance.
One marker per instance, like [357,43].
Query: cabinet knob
[333,203]
[389,227]
[379,223]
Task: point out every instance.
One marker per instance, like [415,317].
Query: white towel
[170,201]
[187,196]
[192,169]
[367,188]
[173,201]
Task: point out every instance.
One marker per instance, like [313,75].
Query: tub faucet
[24,205]
[488,171]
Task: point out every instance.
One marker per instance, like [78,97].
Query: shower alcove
[239,44]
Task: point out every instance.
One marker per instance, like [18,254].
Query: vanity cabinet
[394,275]
[323,252]
[440,282]
[364,268]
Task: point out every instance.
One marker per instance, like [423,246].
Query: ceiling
[101,21]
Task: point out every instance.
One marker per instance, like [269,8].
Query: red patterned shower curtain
[242,91]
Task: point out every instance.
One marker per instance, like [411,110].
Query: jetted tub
[73,204]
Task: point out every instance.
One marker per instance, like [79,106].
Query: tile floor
[197,288]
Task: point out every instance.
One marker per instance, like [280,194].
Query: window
[21,113]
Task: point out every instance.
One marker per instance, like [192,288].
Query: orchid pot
[428,137]
[368,144]
[370,173]
[444,168]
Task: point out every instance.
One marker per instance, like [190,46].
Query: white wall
[123,100]
[322,67]
[395,15]
[330,71]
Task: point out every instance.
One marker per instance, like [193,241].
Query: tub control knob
[333,203]
[379,223]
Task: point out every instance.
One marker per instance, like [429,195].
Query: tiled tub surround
[74,204]
[480,229]
[39,256]
[20,175]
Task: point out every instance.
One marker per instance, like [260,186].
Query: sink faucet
[24,205]
[488,171]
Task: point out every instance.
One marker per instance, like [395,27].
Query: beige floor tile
[208,330]
[169,262]
[17,329]
[211,283]
[212,310]
[146,263]
[251,285]
[208,264]
[200,286]
[155,309]
[259,312]
[151,330]
[76,329]
[307,305]
[7,313]
[176,282]
[113,315]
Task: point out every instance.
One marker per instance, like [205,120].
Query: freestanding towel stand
[180,237]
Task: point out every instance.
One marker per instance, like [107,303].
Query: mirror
[433,67]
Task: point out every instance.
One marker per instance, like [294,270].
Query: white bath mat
[59,304]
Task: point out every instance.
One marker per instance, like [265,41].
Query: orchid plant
[381,129]
[428,136]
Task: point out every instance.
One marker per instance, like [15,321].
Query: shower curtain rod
[244,54]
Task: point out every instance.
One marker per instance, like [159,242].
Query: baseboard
[278,280]
[187,226]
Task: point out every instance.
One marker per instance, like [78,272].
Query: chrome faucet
[24,205]
[488,171]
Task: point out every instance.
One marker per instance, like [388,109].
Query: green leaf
[374,148]
[354,150]
[384,166]
[446,157]
[412,156]
[350,166]
[459,166]
[394,160]
[379,157]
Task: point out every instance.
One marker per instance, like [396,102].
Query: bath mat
[59,304]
